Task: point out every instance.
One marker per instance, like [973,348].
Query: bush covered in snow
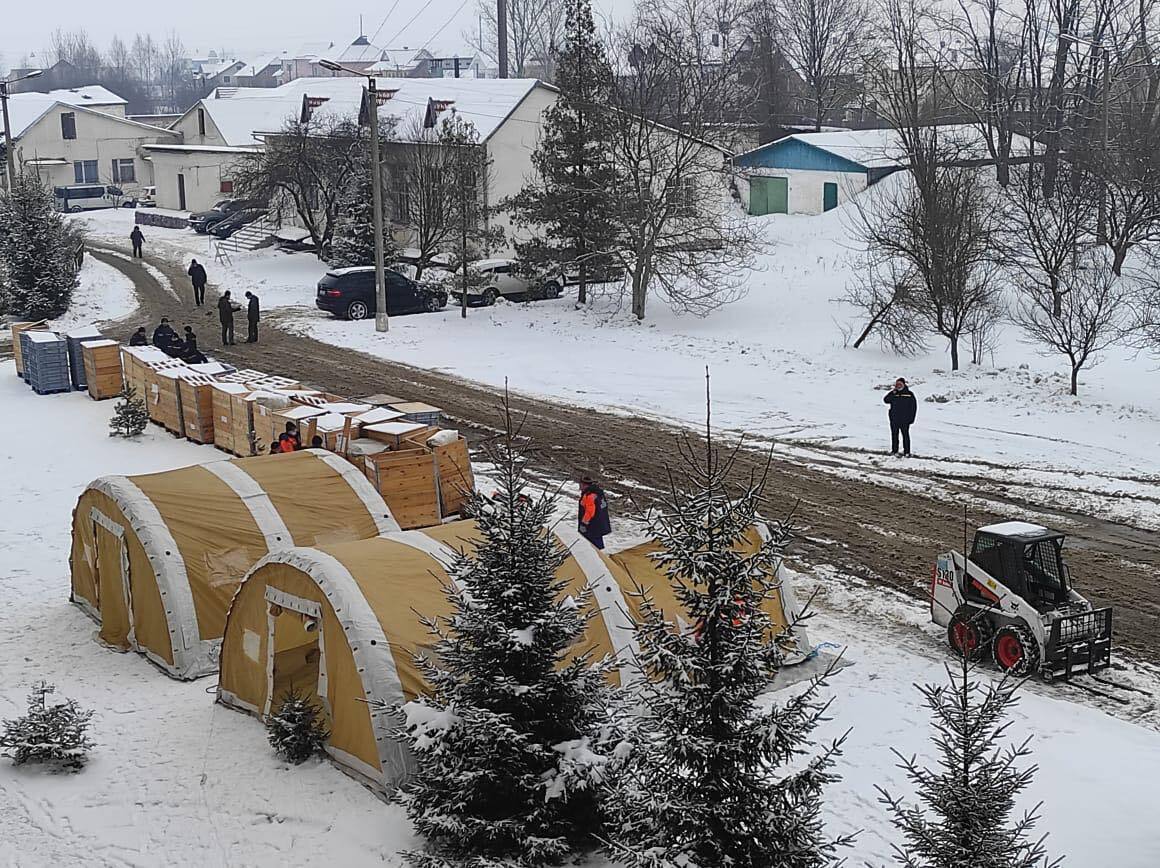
[52,734]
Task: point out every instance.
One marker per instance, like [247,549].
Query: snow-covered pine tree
[129,415]
[963,814]
[297,730]
[509,745]
[567,205]
[354,227]
[713,775]
[37,261]
[53,734]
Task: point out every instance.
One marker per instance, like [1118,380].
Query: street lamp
[382,322]
[1098,46]
[11,173]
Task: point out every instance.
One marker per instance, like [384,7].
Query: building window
[225,79]
[85,171]
[226,187]
[124,172]
[201,122]
[68,125]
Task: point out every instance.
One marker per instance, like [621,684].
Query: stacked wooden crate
[455,478]
[270,423]
[45,359]
[165,406]
[196,395]
[103,375]
[136,363]
[77,338]
[225,395]
[17,349]
[417,411]
[396,434]
[407,480]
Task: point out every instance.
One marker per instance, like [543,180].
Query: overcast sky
[243,26]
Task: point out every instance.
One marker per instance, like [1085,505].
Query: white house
[81,136]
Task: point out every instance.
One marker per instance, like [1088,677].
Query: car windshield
[222,205]
[1043,564]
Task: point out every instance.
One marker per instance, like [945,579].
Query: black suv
[202,221]
[226,228]
[350,293]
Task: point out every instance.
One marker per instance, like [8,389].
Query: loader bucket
[1078,643]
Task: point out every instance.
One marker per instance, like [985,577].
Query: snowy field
[177,780]
[103,294]
[780,370]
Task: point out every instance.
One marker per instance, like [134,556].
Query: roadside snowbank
[103,294]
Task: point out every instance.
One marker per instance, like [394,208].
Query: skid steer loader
[1012,599]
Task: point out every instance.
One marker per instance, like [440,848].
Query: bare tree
[679,235]
[824,40]
[307,164]
[75,47]
[882,292]
[534,31]
[1091,319]
[1040,234]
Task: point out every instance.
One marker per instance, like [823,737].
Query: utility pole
[501,36]
[1102,222]
[9,151]
[382,322]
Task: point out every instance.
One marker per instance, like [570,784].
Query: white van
[87,197]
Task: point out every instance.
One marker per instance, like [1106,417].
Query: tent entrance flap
[112,582]
[297,664]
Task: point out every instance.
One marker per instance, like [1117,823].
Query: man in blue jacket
[903,407]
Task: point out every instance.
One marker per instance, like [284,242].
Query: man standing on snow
[197,275]
[252,318]
[903,407]
[594,523]
[138,240]
[226,309]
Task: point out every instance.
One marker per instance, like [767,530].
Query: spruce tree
[568,204]
[53,734]
[713,775]
[297,730]
[963,814]
[508,746]
[37,260]
[129,415]
[354,227]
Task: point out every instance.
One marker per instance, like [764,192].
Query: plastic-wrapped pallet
[46,362]
[76,360]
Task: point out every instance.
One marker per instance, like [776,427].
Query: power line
[454,15]
[384,21]
[411,21]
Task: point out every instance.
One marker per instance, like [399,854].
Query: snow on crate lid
[394,429]
[231,388]
[416,407]
[300,411]
[1015,528]
[377,414]
[212,368]
[43,337]
[331,422]
[89,331]
[344,407]
[145,354]
[106,342]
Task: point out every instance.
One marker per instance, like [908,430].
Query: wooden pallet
[17,328]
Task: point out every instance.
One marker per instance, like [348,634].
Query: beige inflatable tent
[342,623]
[157,558]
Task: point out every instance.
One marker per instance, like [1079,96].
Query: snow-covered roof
[1015,528]
[883,148]
[359,51]
[486,103]
[256,66]
[397,58]
[207,149]
[25,109]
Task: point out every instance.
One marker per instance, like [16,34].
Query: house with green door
[809,173]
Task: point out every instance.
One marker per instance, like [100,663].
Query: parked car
[225,228]
[350,293]
[493,278]
[148,198]
[202,220]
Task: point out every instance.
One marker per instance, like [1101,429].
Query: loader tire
[1015,650]
[969,633]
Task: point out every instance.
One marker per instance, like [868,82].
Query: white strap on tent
[191,656]
[261,508]
[789,603]
[369,646]
[361,486]
[443,554]
[613,608]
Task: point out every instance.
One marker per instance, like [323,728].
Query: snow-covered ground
[103,294]
[178,780]
[779,366]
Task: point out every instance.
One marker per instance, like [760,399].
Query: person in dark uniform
[252,318]
[166,339]
[903,407]
[198,277]
[594,523]
[138,240]
[191,354]
[226,310]
[139,339]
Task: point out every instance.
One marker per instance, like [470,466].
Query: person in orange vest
[594,523]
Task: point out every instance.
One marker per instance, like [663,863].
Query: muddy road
[882,533]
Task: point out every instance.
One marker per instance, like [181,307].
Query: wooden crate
[395,434]
[407,481]
[165,398]
[455,478]
[417,411]
[274,384]
[223,414]
[103,375]
[196,406]
[136,362]
[269,424]
[311,398]
[17,328]
[243,376]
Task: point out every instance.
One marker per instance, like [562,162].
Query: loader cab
[1026,558]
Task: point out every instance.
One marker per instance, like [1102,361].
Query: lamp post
[382,321]
[10,175]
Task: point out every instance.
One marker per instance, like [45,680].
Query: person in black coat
[139,339]
[903,407]
[138,240]
[252,318]
[593,521]
[197,275]
[166,339]
[226,309]
[192,355]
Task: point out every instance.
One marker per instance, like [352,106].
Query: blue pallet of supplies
[76,361]
[45,357]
